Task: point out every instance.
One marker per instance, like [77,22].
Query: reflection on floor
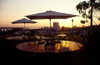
[64,46]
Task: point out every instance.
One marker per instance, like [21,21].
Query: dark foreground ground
[11,56]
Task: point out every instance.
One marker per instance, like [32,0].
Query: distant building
[56,26]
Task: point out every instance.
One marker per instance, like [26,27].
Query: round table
[64,46]
[63,37]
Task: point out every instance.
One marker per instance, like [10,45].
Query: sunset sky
[12,10]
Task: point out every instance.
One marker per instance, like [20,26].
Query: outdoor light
[72,20]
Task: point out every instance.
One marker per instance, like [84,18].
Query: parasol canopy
[23,21]
[50,15]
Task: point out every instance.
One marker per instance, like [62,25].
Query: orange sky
[12,10]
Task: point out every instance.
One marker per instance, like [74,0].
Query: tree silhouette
[86,9]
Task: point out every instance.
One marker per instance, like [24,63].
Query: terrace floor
[12,56]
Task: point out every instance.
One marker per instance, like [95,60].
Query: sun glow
[13,10]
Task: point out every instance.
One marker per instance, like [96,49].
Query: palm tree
[86,9]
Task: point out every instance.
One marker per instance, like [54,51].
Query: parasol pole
[24,26]
[24,31]
[50,26]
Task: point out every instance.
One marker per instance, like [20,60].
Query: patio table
[63,37]
[63,47]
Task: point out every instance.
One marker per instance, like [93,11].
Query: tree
[86,9]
